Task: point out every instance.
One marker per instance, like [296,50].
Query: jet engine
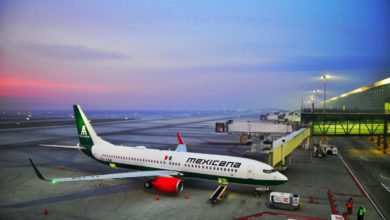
[168,184]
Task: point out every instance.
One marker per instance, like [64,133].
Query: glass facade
[373,98]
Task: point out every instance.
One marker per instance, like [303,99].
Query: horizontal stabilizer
[157,173]
[63,146]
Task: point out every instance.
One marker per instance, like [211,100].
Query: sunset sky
[187,55]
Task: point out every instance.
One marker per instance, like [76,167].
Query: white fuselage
[197,165]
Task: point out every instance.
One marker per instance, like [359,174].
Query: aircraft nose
[281,177]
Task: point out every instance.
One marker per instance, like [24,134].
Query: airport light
[310,97]
[315,97]
[325,78]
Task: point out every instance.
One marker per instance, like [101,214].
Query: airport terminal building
[374,98]
[362,112]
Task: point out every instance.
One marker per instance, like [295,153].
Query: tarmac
[323,184]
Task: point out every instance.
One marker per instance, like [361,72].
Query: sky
[187,55]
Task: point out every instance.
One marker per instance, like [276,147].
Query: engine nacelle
[168,184]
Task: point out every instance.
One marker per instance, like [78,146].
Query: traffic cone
[157,198]
[187,196]
[45,211]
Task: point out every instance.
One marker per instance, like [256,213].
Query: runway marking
[261,214]
[332,202]
[362,190]
[361,187]
[386,187]
[363,158]
[384,177]
[348,195]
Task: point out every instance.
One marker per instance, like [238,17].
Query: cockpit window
[269,171]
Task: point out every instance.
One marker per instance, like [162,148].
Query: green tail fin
[84,129]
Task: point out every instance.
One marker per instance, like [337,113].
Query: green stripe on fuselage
[203,176]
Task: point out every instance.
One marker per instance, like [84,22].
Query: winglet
[39,174]
[179,138]
[181,147]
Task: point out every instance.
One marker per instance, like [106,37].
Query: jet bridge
[348,124]
[249,129]
[284,146]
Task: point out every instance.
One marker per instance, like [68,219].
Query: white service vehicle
[284,200]
[336,217]
[330,150]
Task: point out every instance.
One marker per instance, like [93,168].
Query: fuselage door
[250,172]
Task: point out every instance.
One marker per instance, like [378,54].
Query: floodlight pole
[325,78]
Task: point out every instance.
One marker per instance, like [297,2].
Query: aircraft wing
[164,173]
[63,146]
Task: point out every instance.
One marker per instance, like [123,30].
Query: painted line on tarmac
[347,195]
[384,177]
[386,187]
[358,184]
[361,187]
[363,158]
[261,214]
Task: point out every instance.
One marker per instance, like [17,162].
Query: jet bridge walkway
[348,124]
[285,145]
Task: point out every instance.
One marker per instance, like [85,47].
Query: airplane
[164,170]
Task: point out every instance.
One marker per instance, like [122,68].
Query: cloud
[19,87]
[294,64]
[71,52]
